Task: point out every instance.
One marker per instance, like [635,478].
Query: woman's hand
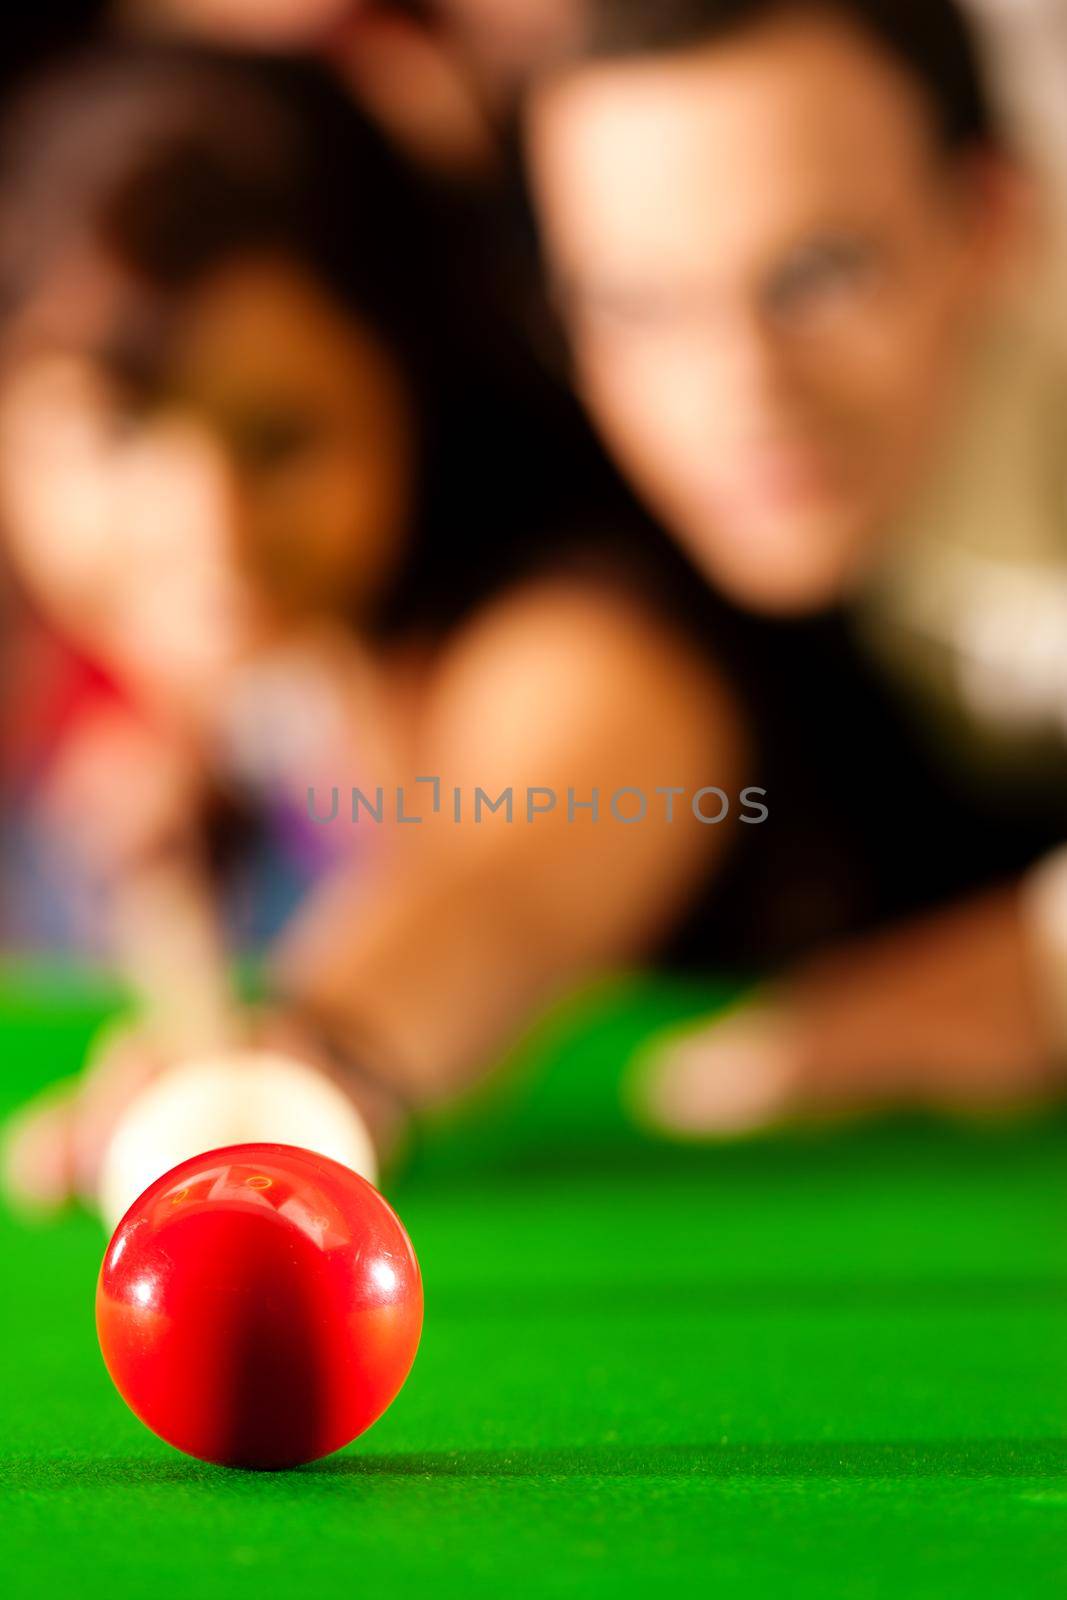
[56,1149]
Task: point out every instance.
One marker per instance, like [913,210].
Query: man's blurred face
[771,273]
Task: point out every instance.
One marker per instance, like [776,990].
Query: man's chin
[778,586]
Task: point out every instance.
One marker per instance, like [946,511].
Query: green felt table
[828,1365]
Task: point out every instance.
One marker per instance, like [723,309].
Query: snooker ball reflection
[259,1306]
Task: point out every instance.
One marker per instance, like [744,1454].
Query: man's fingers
[720,1079]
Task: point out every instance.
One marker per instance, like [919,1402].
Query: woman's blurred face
[265,479]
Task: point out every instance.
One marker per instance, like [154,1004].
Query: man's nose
[725,377]
[746,360]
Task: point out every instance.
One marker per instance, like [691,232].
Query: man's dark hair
[930,39]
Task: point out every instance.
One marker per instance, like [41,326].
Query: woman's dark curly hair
[170,162]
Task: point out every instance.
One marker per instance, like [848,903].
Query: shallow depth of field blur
[298,501]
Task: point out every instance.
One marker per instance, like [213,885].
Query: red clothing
[51,687]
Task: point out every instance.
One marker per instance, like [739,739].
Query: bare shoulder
[562,665]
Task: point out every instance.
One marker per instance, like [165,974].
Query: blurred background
[285,406]
[441,81]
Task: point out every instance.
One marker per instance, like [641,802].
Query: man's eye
[618,305]
[636,309]
[818,275]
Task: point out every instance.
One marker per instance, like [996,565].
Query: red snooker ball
[259,1306]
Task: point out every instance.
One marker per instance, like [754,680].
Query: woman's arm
[473,925]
